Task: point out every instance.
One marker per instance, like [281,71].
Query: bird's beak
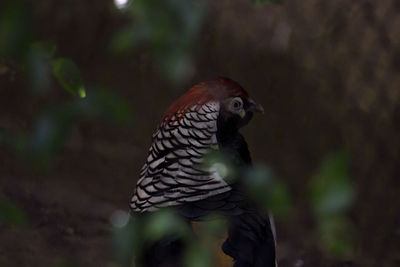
[255,107]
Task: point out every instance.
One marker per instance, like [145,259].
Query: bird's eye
[237,103]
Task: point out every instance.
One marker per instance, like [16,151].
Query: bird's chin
[246,119]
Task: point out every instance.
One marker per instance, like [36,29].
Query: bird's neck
[227,132]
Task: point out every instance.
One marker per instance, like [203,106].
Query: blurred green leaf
[49,133]
[331,189]
[12,214]
[69,76]
[259,177]
[279,200]
[15,29]
[165,223]
[38,65]
[337,234]
[123,41]
[127,242]
[219,161]
[47,48]
[198,254]
[53,126]
[169,30]
[332,194]
[144,229]
[266,189]
[105,105]
[258,182]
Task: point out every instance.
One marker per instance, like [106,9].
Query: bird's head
[236,106]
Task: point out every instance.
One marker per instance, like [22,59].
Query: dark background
[326,72]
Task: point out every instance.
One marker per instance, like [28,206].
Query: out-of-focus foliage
[69,76]
[268,190]
[125,242]
[170,30]
[332,195]
[55,123]
[132,238]
[162,223]
[36,59]
[17,43]
[199,253]
[15,29]
[38,67]
[200,243]
[104,105]
[12,214]
[331,189]
[259,180]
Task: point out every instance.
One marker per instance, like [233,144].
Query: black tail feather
[164,253]
[250,241]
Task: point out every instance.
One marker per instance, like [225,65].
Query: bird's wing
[174,172]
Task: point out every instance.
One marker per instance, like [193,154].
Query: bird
[205,119]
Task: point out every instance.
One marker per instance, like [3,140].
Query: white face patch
[235,105]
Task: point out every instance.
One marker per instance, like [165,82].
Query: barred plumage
[173,173]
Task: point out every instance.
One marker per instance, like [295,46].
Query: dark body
[250,241]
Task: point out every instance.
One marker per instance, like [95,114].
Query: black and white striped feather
[174,172]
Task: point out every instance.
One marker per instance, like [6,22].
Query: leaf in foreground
[69,76]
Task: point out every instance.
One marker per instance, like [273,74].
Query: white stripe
[182,143]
